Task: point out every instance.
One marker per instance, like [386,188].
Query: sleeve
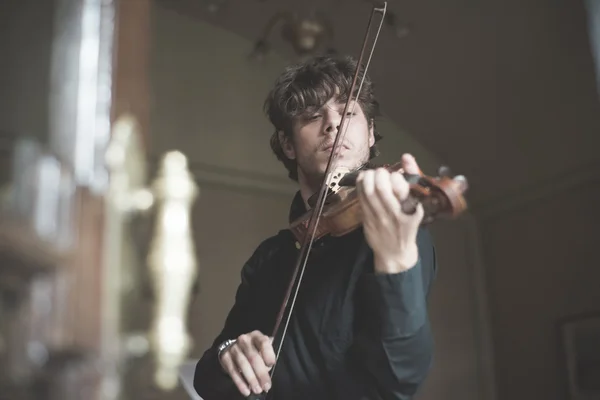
[210,381]
[394,344]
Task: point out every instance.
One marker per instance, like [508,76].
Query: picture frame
[580,340]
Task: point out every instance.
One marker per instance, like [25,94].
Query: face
[314,135]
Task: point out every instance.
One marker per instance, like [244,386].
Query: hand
[390,232]
[249,361]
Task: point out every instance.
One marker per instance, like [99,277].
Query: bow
[313,223]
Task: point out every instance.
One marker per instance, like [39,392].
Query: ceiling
[502,91]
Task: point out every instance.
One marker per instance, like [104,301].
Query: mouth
[330,146]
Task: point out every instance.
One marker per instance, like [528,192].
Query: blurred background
[137,179]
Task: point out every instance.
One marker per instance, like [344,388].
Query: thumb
[409,164]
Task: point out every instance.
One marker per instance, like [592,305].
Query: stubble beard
[314,177]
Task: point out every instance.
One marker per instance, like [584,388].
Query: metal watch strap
[224,346]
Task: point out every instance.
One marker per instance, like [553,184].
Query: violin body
[337,219]
[341,214]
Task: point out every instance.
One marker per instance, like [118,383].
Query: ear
[372,133]
[286,145]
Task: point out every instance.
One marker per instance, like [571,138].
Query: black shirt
[354,334]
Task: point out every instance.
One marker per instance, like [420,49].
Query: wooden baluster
[52,235]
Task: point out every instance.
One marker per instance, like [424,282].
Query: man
[359,327]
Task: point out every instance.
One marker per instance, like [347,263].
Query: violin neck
[350,178]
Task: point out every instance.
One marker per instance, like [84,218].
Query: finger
[379,207]
[230,367]
[365,189]
[360,184]
[399,185]
[386,201]
[264,344]
[401,190]
[262,348]
[246,358]
[419,212]
[364,182]
[409,164]
[245,367]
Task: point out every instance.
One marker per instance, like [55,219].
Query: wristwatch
[224,346]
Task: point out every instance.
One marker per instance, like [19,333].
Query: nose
[332,123]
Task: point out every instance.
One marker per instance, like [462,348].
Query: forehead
[339,103]
[334,104]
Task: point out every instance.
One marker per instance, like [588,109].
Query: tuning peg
[464,184]
[444,172]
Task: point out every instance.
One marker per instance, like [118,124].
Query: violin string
[322,197]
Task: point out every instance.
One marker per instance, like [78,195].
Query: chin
[319,171]
[347,164]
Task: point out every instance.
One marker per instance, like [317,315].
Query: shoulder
[281,241]
[267,251]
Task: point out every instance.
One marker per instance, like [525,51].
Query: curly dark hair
[305,87]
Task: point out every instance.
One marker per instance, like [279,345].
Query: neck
[308,187]
[306,191]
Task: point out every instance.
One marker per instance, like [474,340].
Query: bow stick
[317,211]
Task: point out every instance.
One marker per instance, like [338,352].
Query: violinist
[359,327]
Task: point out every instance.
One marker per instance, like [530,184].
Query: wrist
[396,263]
[223,347]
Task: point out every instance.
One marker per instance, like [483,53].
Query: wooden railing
[78,270]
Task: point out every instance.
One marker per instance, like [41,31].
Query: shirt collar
[298,208]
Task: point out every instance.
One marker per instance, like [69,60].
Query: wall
[207,101]
[541,267]
[24,69]
[216,119]
[463,366]
[24,74]
[538,246]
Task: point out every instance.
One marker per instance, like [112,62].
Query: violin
[441,196]
[335,208]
